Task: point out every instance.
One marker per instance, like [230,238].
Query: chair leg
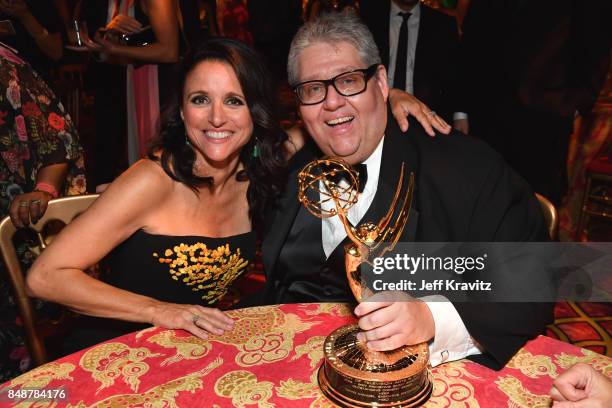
[34,341]
[583,208]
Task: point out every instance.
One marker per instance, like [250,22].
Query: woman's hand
[49,43]
[124,24]
[99,43]
[198,320]
[29,207]
[404,104]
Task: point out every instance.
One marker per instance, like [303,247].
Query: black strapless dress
[176,269]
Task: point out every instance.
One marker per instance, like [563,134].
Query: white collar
[332,229]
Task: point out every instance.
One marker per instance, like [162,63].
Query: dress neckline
[244,234]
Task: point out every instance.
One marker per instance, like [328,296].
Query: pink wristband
[41,186]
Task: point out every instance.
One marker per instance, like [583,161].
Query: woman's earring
[256,148]
[187,140]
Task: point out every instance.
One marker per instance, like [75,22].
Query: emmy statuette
[352,375]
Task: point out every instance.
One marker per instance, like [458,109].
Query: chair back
[550,216]
[63,209]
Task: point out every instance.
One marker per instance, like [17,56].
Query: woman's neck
[222,173]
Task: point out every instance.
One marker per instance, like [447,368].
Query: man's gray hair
[333,28]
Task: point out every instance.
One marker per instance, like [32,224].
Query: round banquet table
[270,359]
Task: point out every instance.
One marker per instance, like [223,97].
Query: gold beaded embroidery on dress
[211,271]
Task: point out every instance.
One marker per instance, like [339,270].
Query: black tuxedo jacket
[464,192]
[435,73]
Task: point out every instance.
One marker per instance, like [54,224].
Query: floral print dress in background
[35,132]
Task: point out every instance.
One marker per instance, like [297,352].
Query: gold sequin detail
[209,270]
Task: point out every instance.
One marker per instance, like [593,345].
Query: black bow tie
[362,174]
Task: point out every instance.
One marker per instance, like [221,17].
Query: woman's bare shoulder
[144,181]
[132,201]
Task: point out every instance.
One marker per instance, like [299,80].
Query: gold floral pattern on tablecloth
[148,330]
[335,309]
[322,402]
[313,348]
[519,396]
[452,388]
[244,389]
[41,376]
[533,366]
[599,362]
[163,395]
[187,347]
[262,334]
[110,361]
[292,389]
[271,358]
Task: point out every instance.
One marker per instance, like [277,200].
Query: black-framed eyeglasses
[346,84]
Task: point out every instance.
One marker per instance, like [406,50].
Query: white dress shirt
[395,23]
[451,340]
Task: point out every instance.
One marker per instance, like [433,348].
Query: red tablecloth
[270,359]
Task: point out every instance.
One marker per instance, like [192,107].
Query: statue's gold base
[354,376]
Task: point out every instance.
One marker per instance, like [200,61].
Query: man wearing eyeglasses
[464,192]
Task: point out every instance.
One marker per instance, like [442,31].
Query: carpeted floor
[587,325]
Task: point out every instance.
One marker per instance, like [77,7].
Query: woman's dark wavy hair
[265,173]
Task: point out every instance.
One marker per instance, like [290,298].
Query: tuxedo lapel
[279,223]
[397,149]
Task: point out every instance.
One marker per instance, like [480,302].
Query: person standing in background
[528,68]
[419,46]
[273,24]
[37,32]
[315,8]
[208,18]
[454,8]
[234,19]
[40,159]
[127,116]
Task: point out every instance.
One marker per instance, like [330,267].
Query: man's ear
[381,81]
